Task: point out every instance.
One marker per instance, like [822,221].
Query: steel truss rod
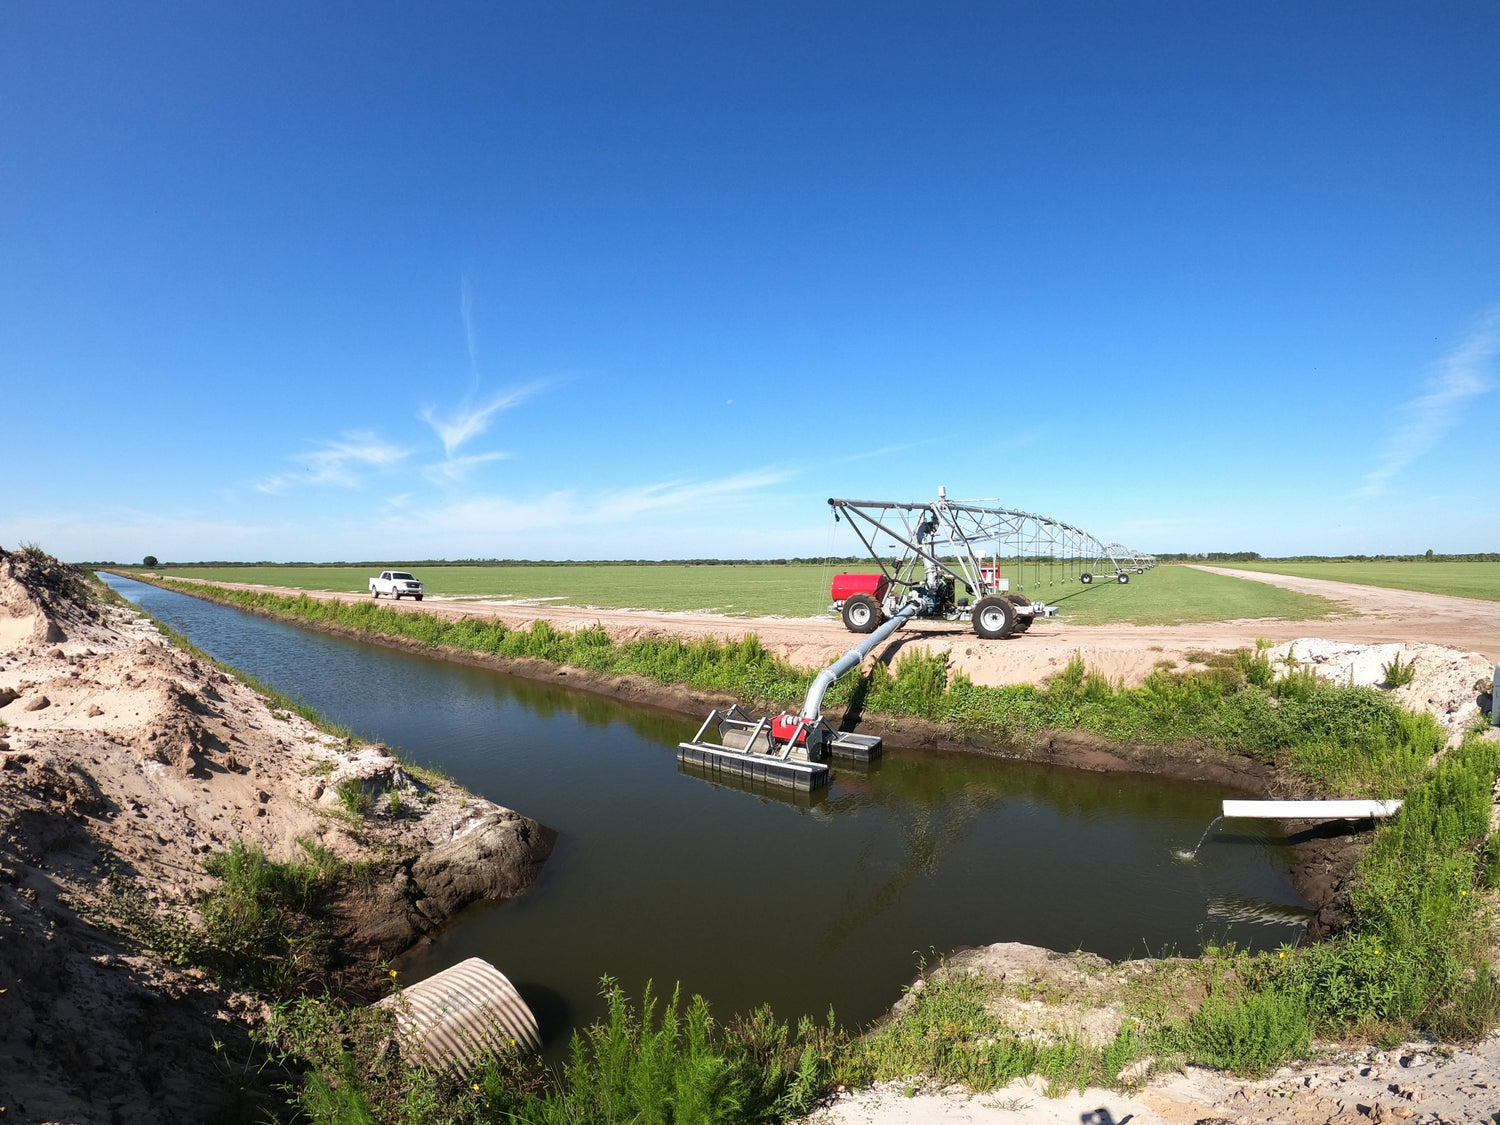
[954,537]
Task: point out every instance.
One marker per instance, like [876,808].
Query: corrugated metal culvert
[450,1020]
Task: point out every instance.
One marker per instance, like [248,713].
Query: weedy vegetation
[266,925]
[1398,674]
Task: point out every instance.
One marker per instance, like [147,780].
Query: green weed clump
[649,1062]
[355,798]
[267,924]
[1249,1031]
[1398,674]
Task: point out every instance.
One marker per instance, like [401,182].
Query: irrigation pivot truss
[987,547]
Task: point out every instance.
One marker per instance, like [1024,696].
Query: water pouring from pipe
[1189,855]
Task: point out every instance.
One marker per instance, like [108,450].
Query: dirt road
[1119,651]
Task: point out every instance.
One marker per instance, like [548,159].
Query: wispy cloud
[657,509]
[470,421]
[337,463]
[883,451]
[457,468]
[1459,376]
[682,495]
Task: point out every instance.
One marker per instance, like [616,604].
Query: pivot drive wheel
[994,618]
[1086,578]
[861,614]
[1124,578]
[1023,620]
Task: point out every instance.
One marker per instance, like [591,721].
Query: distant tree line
[1209,556]
[1429,556]
[1252,556]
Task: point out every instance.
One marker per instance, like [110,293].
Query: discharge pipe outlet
[812,706]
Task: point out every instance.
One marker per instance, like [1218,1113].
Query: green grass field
[1169,595]
[1177,595]
[1459,579]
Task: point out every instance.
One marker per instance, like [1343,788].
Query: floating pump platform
[789,750]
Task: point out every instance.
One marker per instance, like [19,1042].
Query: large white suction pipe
[812,706]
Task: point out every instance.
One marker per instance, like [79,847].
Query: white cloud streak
[458,468]
[337,463]
[470,421]
[507,523]
[1461,375]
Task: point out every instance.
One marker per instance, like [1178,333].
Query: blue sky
[376,280]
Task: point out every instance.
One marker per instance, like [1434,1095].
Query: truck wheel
[1023,620]
[1085,578]
[418,597]
[861,614]
[994,618]
[1124,578]
[374,593]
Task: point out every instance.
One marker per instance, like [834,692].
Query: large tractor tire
[1023,620]
[861,614]
[994,618]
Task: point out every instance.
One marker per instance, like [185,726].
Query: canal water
[751,898]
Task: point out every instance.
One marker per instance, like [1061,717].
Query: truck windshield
[400,574]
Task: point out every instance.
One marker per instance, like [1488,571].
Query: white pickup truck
[397,584]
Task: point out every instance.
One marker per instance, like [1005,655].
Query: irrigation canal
[751,898]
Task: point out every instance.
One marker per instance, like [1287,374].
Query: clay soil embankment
[124,761]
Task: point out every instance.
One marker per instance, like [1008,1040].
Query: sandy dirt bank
[120,753]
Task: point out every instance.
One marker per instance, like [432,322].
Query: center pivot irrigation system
[946,553]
